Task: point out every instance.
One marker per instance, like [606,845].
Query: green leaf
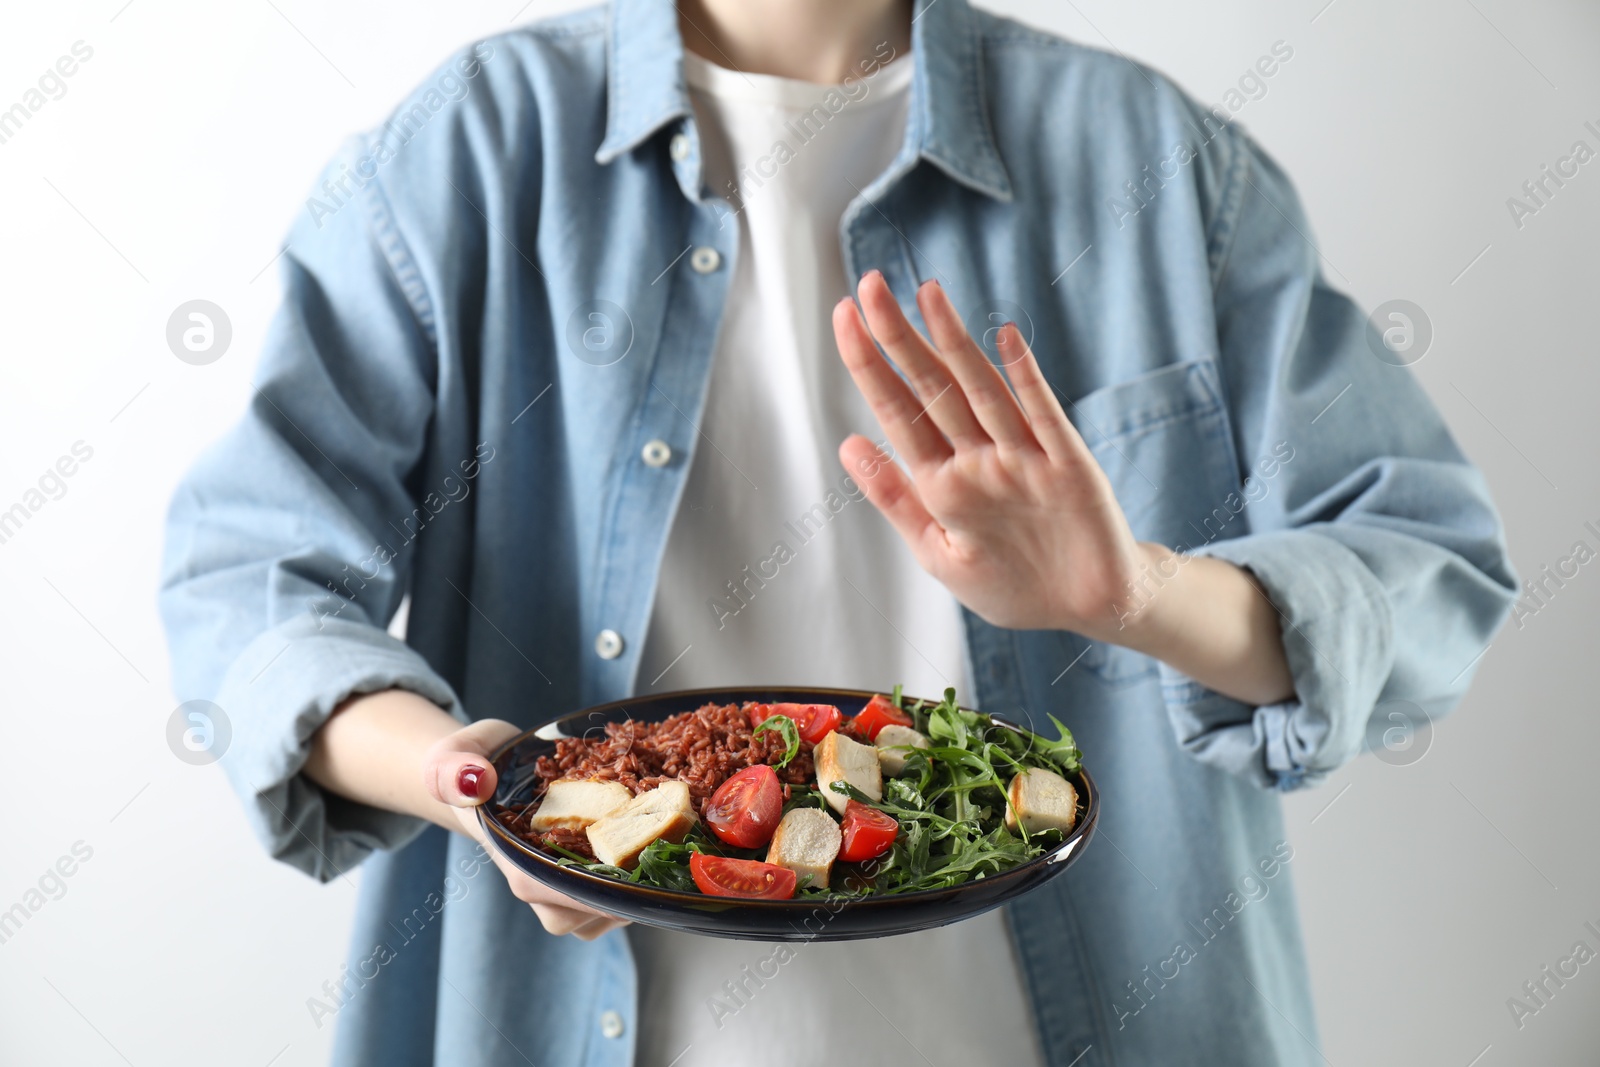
[666,865]
[842,786]
[789,732]
[945,724]
[1063,750]
[900,791]
[804,796]
[568,855]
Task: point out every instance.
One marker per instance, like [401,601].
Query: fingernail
[871,272]
[470,780]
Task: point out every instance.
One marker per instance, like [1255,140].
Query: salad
[905,796]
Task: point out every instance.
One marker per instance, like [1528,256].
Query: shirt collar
[949,123]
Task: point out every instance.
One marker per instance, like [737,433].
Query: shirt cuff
[1337,629]
[280,690]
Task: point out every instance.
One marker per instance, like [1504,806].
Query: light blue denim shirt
[494,302]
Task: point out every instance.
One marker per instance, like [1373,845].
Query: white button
[656,453]
[679,147]
[608,644]
[611,1024]
[705,259]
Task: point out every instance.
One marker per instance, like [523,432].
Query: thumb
[457,769]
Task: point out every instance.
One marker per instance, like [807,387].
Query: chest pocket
[1165,443]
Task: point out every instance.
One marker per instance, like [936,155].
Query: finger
[931,380]
[458,770]
[1054,431]
[582,922]
[985,389]
[891,492]
[597,928]
[892,401]
[558,921]
[538,895]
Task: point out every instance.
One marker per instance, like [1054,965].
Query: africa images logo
[198,732]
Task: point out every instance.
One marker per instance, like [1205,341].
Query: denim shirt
[494,304]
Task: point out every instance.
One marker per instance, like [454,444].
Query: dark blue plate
[832,918]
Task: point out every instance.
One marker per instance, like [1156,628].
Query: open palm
[1004,503]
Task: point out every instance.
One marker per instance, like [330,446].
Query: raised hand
[1004,504]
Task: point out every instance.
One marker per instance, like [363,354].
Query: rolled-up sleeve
[1375,539]
[278,583]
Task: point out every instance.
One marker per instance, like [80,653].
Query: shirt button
[611,1024]
[608,644]
[705,259]
[679,147]
[656,453]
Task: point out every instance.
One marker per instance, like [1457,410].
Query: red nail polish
[470,780]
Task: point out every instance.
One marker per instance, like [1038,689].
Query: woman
[568,348]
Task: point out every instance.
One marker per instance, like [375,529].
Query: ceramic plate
[835,918]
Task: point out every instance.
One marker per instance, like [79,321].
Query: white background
[170,170]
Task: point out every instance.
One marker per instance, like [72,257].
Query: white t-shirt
[845,605]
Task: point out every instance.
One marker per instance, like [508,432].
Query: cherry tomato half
[745,810]
[813,721]
[868,833]
[878,713]
[720,876]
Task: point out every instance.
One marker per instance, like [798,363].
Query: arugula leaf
[570,856]
[666,865]
[1063,750]
[789,732]
[804,796]
[949,722]
[900,791]
[943,726]
[842,786]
